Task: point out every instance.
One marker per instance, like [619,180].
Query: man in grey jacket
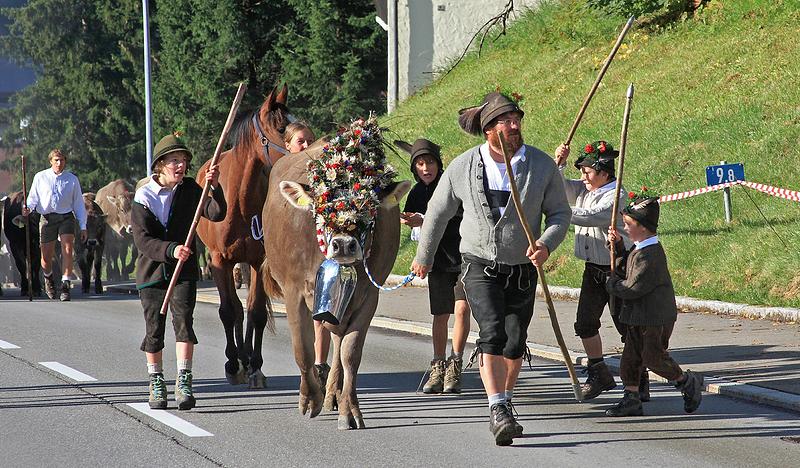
[498,275]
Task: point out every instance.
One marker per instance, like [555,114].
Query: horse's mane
[243,135]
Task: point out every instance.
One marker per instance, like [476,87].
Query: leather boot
[65,290]
[644,386]
[452,376]
[599,380]
[502,424]
[692,391]
[628,406]
[435,383]
[50,287]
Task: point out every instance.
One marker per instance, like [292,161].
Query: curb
[685,304]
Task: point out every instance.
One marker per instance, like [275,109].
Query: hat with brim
[645,210]
[474,120]
[599,155]
[169,144]
[421,147]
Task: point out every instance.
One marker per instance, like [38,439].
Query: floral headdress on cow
[347,179]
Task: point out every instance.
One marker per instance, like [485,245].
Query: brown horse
[293,257]
[244,176]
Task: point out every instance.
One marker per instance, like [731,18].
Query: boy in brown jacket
[649,310]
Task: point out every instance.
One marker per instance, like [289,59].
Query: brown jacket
[647,292]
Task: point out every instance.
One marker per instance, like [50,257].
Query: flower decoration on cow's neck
[348,178]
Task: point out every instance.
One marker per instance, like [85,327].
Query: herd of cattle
[109,238]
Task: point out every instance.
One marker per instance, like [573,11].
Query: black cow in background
[14,229]
[89,254]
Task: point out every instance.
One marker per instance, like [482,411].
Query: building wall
[432,33]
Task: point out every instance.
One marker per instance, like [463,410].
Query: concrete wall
[432,33]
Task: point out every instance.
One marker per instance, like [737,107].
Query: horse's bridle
[266,144]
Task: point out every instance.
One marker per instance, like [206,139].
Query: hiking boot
[502,424]
[322,372]
[65,287]
[629,405]
[435,383]
[644,386]
[183,390]
[599,380]
[517,426]
[692,391]
[158,392]
[49,287]
[452,375]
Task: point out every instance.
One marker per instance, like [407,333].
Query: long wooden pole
[28,274]
[623,145]
[597,81]
[199,211]
[576,387]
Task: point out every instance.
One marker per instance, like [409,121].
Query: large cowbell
[333,291]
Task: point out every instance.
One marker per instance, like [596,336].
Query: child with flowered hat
[649,311]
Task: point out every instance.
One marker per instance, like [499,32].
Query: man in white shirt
[56,194]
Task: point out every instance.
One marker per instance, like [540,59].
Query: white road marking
[7,345]
[73,374]
[171,420]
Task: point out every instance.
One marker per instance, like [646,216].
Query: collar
[609,186]
[486,155]
[156,188]
[647,242]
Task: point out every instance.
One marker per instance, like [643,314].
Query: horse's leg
[228,314]
[333,389]
[257,303]
[299,318]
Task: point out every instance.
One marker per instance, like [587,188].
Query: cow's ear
[296,195]
[396,193]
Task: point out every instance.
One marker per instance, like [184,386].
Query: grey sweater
[542,194]
[591,215]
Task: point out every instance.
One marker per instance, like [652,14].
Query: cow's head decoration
[348,184]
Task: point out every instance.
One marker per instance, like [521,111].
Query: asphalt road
[50,419]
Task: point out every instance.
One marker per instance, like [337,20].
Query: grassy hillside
[722,85]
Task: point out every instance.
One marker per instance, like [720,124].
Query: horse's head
[349,184]
[261,132]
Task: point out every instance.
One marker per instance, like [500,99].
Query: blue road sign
[724,173]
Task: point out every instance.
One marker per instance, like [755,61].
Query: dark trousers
[646,346]
[501,299]
[181,307]
[592,302]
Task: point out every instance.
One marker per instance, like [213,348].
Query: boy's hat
[421,147]
[474,120]
[644,208]
[599,155]
[169,144]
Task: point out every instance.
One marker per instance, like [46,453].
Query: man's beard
[513,139]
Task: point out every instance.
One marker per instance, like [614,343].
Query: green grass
[722,85]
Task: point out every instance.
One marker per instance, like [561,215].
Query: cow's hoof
[330,403]
[310,405]
[257,380]
[349,422]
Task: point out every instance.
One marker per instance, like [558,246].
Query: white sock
[155,368]
[64,277]
[509,395]
[184,364]
[497,398]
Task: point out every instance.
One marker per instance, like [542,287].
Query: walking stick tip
[631,19]
[629,94]
[576,388]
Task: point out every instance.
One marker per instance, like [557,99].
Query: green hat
[644,208]
[169,144]
[599,155]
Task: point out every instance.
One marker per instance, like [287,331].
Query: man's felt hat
[169,144]
[599,155]
[421,147]
[474,120]
[644,209]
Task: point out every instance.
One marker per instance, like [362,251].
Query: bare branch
[483,32]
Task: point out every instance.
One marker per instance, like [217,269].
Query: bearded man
[498,265]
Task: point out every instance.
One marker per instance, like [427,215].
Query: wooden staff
[199,211]
[576,386]
[597,81]
[27,231]
[623,144]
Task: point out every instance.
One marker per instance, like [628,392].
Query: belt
[496,268]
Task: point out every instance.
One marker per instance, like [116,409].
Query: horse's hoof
[257,380]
